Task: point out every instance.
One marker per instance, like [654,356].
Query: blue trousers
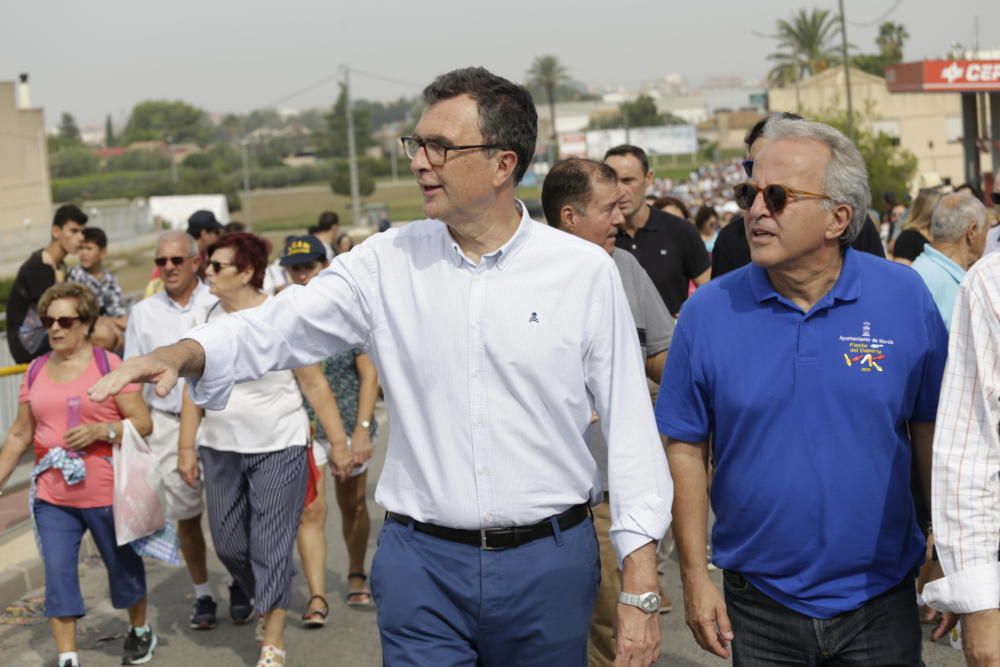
[60,530]
[446,604]
[883,632]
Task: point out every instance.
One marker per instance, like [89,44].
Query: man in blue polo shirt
[958,233]
[815,372]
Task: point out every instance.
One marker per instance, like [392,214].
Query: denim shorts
[60,531]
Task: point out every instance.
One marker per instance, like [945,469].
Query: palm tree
[807,46]
[890,40]
[548,74]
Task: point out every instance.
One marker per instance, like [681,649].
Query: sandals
[361,598]
[271,656]
[317,617]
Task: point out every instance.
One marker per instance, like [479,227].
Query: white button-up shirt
[966,475]
[491,370]
[157,321]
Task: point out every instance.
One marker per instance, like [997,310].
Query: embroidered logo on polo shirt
[866,352]
[663,251]
[534,318]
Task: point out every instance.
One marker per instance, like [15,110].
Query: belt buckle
[482,541]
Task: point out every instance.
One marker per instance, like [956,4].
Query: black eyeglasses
[64,322]
[776,196]
[437,152]
[995,196]
[176,261]
[218,266]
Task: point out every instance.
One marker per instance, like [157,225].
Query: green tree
[109,131]
[341,182]
[155,120]
[640,112]
[336,123]
[807,46]
[890,42]
[547,73]
[68,129]
[136,160]
[72,161]
[890,167]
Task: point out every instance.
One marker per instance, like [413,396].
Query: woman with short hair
[73,479]
[255,452]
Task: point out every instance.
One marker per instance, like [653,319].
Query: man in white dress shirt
[966,475]
[497,338]
[162,319]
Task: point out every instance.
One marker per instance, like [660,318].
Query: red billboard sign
[944,76]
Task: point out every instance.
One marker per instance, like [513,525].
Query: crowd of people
[560,395]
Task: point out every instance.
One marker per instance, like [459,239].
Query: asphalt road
[350,637]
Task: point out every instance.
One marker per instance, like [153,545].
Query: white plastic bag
[138,507]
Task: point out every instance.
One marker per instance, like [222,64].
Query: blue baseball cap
[302,250]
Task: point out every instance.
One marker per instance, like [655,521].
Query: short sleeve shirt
[107,290]
[33,278]
[808,415]
[671,251]
[51,406]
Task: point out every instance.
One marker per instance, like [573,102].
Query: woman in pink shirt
[73,479]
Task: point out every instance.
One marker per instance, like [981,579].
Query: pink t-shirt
[51,404]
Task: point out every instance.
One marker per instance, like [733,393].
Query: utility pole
[173,162]
[394,155]
[352,156]
[847,71]
[247,208]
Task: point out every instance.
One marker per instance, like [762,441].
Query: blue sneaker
[203,616]
[240,606]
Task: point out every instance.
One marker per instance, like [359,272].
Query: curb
[28,574]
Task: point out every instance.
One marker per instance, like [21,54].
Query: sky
[102,57]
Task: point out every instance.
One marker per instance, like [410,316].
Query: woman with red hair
[255,452]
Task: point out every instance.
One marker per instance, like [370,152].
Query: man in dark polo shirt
[815,373]
[669,248]
[731,250]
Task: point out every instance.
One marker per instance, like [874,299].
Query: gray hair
[178,235]
[846,177]
[953,216]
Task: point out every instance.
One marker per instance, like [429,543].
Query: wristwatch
[366,423]
[648,602]
[111,432]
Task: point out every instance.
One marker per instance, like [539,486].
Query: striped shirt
[491,373]
[966,476]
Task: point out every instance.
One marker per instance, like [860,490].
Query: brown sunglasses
[776,196]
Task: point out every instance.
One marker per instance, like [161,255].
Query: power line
[885,15]
[332,77]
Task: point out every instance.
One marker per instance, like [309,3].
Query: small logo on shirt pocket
[534,319]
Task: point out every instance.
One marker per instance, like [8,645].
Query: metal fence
[9,387]
[122,222]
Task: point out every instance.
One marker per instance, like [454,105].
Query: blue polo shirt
[808,413]
[942,276]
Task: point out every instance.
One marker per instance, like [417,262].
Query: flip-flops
[361,598]
[317,617]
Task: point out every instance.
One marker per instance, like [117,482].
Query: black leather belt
[493,539]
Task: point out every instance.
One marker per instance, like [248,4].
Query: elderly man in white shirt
[165,318]
[497,338]
[966,474]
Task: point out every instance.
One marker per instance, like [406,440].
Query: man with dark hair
[496,338]
[731,249]
[327,229]
[43,269]
[582,197]
[109,330]
[668,247]
[204,228]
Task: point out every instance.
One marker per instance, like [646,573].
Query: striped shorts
[254,504]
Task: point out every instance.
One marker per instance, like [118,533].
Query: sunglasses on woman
[64,322]
[776,196]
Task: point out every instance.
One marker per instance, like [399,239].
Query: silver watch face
[649,602]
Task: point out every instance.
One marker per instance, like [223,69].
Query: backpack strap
[37,364]
[103,363]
